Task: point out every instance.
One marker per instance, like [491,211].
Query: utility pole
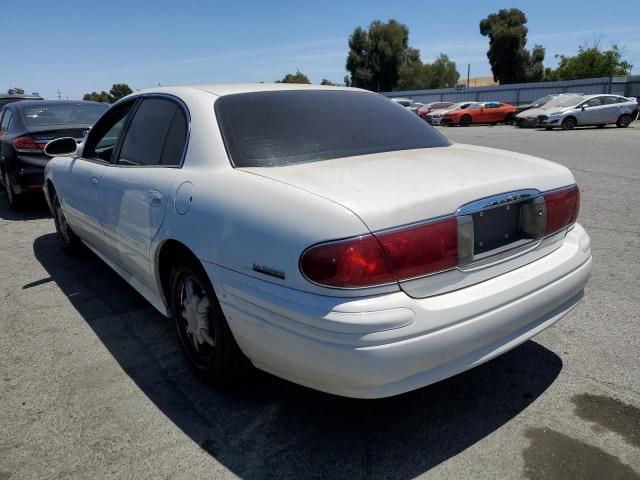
[468,73]
[59,95]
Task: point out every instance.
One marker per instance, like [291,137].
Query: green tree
[590,61]
[97,97]
[415,75]
[510,61]
[118,91]
[327,82]
[297,77]
[377,54]
[16,91]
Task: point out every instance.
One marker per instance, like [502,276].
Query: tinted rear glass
[63,114]
[266,129]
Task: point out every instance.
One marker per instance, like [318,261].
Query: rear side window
[156,136]
[6,120]
[266,129]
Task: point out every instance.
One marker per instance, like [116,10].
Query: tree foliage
[380,59]
[415,75]
[510,61]
[590,61]
[297,77]
[376,55]
[118,91]
[16,91]
[327,82]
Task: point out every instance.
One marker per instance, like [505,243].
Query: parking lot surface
[93,385]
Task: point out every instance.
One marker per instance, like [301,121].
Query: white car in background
[598,110]
[435,116]
[321,232]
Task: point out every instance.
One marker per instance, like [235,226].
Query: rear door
[135,189]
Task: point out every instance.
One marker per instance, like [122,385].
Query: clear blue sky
[80,46]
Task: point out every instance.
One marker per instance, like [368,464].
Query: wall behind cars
[519,93]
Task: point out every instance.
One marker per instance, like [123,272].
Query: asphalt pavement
[93,385]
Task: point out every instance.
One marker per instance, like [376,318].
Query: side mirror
[583,107]
[61,147]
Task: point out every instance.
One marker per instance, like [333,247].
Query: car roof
[222,89]
[4,96]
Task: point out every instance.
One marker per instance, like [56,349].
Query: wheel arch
[164,257]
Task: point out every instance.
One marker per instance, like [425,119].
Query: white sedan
[325,234]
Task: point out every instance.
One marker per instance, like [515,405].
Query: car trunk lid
[401,188]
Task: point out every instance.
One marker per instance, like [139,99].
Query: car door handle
[154,197]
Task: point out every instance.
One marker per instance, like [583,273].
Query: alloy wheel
[195,319]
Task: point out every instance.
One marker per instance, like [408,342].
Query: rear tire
[569,123]
[624,121]
[465,121]
[69,241]
[15,202]
[204,334]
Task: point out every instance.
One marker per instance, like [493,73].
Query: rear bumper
[27,179]
[385,345]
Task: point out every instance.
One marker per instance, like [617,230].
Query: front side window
[593,102]
[105,134]
[269,129]
[156,135]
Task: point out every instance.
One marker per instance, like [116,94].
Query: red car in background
[427,108]
[485,112]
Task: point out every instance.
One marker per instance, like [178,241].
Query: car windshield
[568,101]
[268,129]
[62,114]
[457,106]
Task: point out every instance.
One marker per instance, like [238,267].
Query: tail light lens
[27,144]
[562,208]
[414,251]
[383,258]
[347,264]
[423,249]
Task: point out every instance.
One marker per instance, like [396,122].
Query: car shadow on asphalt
[270,428]
[32,209]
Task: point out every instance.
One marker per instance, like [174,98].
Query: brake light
[347,264]
[413,251]
[384,257]
[562,208]
[27,144]
[423,249]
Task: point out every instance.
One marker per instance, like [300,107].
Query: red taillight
[347,264]
[385,257]
[562,208]
[423,249]
[28,144]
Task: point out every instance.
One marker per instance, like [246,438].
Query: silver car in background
[527,116]
[598,110]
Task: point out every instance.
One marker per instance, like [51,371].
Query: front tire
[204,334]
[624,121]
[569,123]
[465,121]
[70,242]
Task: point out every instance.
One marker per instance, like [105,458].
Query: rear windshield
[268,129]
[63,114]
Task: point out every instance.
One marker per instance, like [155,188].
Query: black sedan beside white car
[25,128]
